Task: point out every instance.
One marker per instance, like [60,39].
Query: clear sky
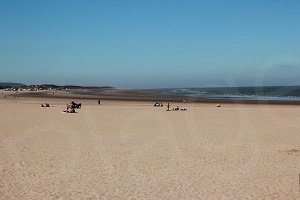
[150,44]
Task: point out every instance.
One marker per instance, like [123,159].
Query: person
[70,108]
[99,102]
[168,106]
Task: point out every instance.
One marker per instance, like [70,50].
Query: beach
[132,150]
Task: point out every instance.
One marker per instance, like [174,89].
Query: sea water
[271,93]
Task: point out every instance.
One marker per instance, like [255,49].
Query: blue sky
[150,44]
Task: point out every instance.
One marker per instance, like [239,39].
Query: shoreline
[122,95]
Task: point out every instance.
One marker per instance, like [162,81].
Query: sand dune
[130,150]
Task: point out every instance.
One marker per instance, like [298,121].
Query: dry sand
[130,150]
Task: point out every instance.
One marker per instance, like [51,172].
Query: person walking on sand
[168,106]
[99,102]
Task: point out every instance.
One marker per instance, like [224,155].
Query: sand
[131,150]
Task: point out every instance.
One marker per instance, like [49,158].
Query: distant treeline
[47,86]
[4,85]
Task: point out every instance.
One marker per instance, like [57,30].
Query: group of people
[72,106]
[176,108]
[160,104]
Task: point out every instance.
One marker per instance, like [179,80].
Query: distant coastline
[36,87]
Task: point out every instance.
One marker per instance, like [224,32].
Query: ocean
[270,93]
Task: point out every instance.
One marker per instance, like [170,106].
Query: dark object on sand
[218,105]
[75,105]
[158,104]
[46,105]
[168,106]
[99,102]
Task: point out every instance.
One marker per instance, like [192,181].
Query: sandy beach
[131,150]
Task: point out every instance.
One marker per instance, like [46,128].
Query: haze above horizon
[150,44]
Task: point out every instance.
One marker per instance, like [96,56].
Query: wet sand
[131,150]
